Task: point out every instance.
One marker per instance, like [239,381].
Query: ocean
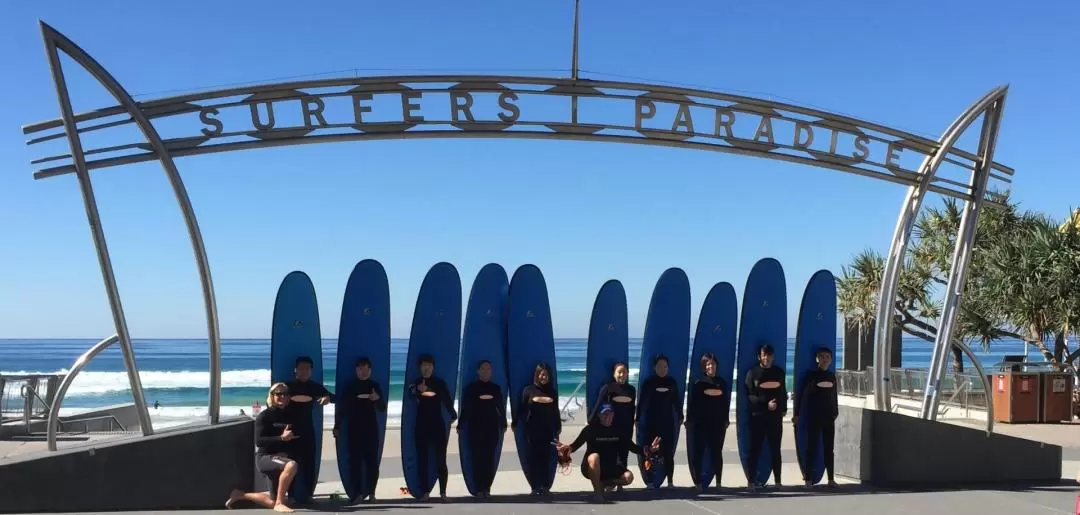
[174,372]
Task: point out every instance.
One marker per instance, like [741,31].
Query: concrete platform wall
[894,450]
[193,468]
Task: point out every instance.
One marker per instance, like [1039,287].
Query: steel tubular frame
[920,182]
[965,240]
[991,105]
[55,41]
[80,363]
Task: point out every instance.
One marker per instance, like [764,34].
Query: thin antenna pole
[574,59]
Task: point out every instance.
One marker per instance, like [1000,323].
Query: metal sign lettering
[478,106]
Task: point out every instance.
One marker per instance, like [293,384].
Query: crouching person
[273,440]
[605,445]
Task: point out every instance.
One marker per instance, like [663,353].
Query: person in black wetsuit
[538,416]
[432,397]
[766,391]
[816,406]
[274,439]
[661,402]
[358,407]
[605,444]
[483,417]
[622,397]
[707,415]
[303,395]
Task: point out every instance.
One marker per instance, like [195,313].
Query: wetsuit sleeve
[782,408]
[467,396]
[500,406]
[414,390]
[646,391]
[629,446]
[692,402]
[448,403]
[725,415]
[800,393]
[339,411]
[752,391]
[834,400]
[582,438]
[262,438]
[556,412]
[523,405]
[323,392]
[381,403]
[676,400]
[633,402]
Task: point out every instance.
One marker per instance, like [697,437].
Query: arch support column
[961,260]
[54,43]
[909,211]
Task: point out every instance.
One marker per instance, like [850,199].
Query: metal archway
[699,119]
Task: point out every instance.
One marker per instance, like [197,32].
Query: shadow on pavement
[639,494]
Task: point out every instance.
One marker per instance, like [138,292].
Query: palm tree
[1023,280]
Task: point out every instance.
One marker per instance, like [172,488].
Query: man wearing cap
[603,464]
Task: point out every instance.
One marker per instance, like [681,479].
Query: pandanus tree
[1023,281]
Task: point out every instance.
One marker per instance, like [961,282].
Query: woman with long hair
[542,426]
[660,401]
[621,397]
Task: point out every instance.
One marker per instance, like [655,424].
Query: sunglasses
[279,394]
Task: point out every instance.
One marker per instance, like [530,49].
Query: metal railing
[960,391]
[80,363]
[20,399]
[564,412]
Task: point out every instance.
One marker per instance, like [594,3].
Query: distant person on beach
[538,416]
[157,404]
[817,406]
[358,408]
[660,401]
[483,416]
[707,415]
[605,442]
[766,391]
[623,399]
[274,440]
[303,394]
[432,396]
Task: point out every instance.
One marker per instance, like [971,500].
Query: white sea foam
[105,382]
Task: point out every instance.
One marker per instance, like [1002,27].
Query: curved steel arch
[647,98]
[55,41]
[992,105]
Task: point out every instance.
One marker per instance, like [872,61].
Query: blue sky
[583,212]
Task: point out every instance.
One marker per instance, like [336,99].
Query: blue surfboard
[364,332]
[609,340]
[667,332]
[817,329]
[294,333]
[436,330]
[530,340]
[716,333]
[484,338]
[764,320]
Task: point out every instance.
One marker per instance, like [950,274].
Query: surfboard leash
[565,459]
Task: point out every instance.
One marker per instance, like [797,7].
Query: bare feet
[281,508]
[234,496]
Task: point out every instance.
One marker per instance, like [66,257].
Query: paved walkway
[570,493]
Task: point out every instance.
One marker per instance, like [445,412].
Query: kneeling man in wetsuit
[603,463]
